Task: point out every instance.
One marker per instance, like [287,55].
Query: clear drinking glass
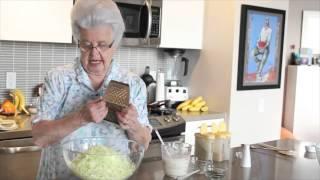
[176,158]
[318,152]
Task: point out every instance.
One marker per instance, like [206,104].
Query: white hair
[92,13]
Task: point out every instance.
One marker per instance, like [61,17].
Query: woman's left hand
[128,118]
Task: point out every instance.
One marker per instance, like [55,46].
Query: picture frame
[260,48]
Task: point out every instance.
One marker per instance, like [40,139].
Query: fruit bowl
[102,158]
[318,152]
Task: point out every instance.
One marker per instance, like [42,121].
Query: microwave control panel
[155,27]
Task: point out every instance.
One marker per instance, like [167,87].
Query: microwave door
[137,19]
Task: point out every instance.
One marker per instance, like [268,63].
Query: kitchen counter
[195,116]
[266,165]
[24,130]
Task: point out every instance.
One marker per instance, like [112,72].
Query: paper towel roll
[160,94]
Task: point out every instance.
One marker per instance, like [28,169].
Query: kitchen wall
[255,115]
[32,60]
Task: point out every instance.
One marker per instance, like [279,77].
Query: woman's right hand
[93,111]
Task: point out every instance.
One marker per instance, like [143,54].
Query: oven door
[19,159]
[142,22]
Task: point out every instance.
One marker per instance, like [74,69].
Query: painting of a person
[261,50]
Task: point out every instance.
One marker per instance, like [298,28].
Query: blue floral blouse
[67,88]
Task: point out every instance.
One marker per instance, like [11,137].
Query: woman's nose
[95,53]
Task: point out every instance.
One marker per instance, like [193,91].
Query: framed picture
[260,48]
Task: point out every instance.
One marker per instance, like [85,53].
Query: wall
[255,116]
[212,73]
[219,63]
[295,21]
[31,61]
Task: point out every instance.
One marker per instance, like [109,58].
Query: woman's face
[96,46]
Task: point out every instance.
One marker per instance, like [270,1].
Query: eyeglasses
[86,46]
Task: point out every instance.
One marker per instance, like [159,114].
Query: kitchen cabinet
[34,20]
[302,102]
[182,24]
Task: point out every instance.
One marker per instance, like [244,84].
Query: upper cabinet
[310,31]
[34,20]
[182,24]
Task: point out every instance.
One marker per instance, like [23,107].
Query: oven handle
[13,150]
[148,4]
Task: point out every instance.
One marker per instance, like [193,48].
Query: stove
[167,122]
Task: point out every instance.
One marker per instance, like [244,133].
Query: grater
[117,95]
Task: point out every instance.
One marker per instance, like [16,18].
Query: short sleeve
[52,98]
[139,99]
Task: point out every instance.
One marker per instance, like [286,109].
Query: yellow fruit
[203,129]
[22,100]
[196,100]
[204,108]
[194,108]
[185,103]
[214,128]
[186,108]
[200,104]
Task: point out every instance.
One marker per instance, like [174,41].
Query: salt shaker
[246,156]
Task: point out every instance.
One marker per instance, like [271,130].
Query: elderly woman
[71,105]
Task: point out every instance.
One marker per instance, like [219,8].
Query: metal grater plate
[117,95]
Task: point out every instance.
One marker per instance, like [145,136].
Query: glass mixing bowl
[102,158]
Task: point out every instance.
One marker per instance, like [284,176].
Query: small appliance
[142,20]
[177,68]
[176,93]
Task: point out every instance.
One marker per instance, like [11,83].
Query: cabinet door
[182,24]
[34,20]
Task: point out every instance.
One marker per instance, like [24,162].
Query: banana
[185,103]
[204,108]
[185,108]
[200,104]
[22,100]
[16,102]
[194,108]
[196,100]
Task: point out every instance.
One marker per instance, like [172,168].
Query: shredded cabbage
[102,163]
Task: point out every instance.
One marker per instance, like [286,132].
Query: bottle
[246,156]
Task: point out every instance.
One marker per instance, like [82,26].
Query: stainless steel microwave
[142,19]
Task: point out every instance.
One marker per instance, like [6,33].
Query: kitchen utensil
[150,85]
[146,77]
[176,70]
[212,148]
[158,134]
[76,150]
[176,158]
[162,142]
[286,152]
[187,175]
[117,95]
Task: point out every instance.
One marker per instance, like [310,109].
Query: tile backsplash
[32,60]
